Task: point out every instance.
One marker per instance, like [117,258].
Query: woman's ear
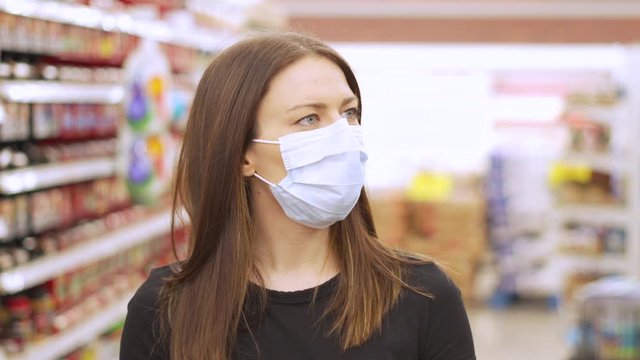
[248,162]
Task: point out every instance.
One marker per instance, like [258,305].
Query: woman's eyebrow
[348,100]
[322,105]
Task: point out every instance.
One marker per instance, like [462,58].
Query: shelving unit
[542,244]
[87,17]
[605,263]
[604,215]
[44,176]
[105,246]
[595,160]
[598,114]
[50,92]
[621,159]
[60,344]
[633,106]
[76,116]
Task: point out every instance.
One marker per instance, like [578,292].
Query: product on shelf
[579,184]
[19,252]
[51,153]
[182,59]
[106,347]
[594,128]
[28,66]
[591,123]
[5,69]
[74,44]
[589,239]
[58,121]
[14,214]
[14,124]
[65,301]
[75,121]
[149,146]
[42,68]
[181,95]
[66,205]
[60,207]
[590,138]
[51,209]
[13,158]
[606,95]
[18,325]
[103,75]
[18,67]
[26,34]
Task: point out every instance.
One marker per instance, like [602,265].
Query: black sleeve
[448,333]
[140,340]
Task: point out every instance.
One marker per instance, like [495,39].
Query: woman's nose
[335,119]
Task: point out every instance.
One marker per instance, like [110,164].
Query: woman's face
[309,94]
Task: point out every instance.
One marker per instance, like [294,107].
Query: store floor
[520,332]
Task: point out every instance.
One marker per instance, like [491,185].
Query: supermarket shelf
[110,244]
[61,344]
[618,215]
[44,176]
[598,114]
[85,16]
[604,263]
[25,91]
[595,160]
[539,284]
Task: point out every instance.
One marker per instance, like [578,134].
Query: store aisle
[523,333]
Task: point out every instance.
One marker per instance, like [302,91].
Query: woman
[283,259]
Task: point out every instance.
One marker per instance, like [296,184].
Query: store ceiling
[455,8]
[467,21]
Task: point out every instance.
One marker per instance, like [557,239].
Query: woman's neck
[292,259]
[290,256]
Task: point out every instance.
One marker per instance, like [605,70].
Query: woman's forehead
[309,80]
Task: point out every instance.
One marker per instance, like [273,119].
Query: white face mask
[325,173]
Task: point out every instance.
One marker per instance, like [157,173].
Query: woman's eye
[310,120]
[351,115]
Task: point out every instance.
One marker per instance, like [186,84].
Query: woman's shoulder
[430,277]
[141,335]
[147,295]
[445,330]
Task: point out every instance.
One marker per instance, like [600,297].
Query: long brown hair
[202,303]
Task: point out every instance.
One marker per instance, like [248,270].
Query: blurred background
[503,136]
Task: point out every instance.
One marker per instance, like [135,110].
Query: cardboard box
[452,231]
[390,216]
[458,261]
[460,225]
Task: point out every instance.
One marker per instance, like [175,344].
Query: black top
[417,327]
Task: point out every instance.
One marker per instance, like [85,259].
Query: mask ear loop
[275,142]
[263,179]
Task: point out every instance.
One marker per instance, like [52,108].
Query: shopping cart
[609,320]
